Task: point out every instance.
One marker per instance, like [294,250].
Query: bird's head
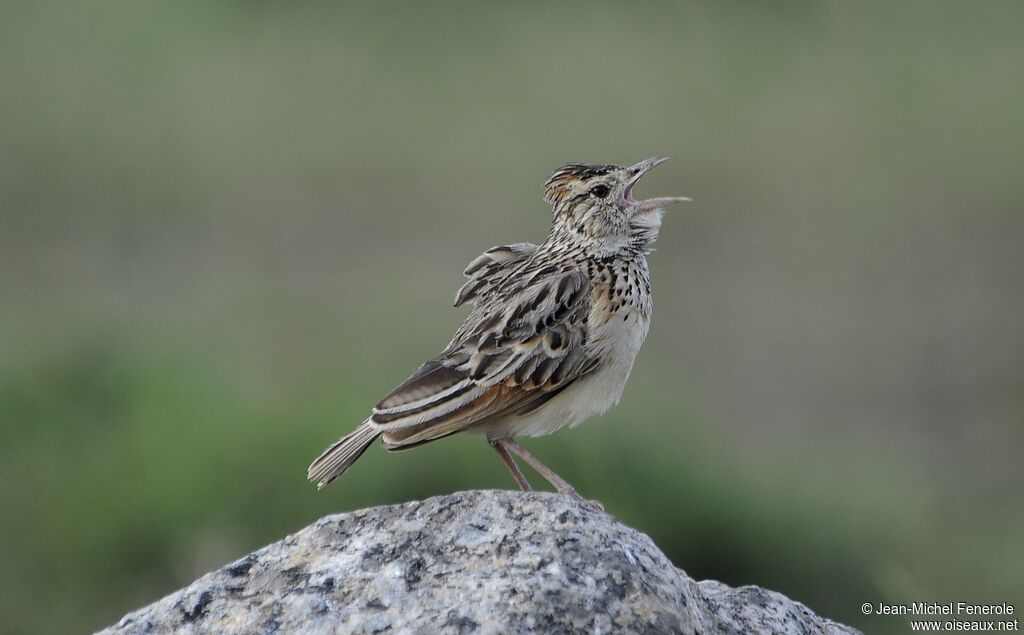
[595,203]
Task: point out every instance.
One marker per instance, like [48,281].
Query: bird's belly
[616,345]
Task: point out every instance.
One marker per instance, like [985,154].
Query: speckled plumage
[552,335]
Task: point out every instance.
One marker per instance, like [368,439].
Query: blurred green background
[226,229]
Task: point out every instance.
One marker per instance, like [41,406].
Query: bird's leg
[499,447]
[560,483]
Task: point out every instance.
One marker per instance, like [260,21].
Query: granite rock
[471,562]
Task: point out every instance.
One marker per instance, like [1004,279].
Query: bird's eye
[600,191]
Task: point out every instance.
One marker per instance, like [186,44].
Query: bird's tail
[340,456]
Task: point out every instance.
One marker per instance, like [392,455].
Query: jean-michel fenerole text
[947,608]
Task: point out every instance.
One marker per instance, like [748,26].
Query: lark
[552,335]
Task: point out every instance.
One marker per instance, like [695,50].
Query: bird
[552,335]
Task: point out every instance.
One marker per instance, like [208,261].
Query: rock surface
[472,562]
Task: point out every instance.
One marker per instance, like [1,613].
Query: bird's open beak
[647,204]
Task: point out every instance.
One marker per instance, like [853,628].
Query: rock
[472,562]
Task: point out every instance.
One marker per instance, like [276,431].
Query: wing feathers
[522,345]
[430,382]
[490,268]
[495,401]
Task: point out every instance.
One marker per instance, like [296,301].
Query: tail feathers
[340,456]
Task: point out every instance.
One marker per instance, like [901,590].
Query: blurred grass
[227,229]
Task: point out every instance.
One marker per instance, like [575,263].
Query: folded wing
[524,342]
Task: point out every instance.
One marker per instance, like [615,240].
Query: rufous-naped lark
[552,335]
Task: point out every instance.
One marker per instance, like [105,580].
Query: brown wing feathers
[503,358]
[490,268]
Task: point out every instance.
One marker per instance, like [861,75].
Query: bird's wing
[523,344]
[490,268]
